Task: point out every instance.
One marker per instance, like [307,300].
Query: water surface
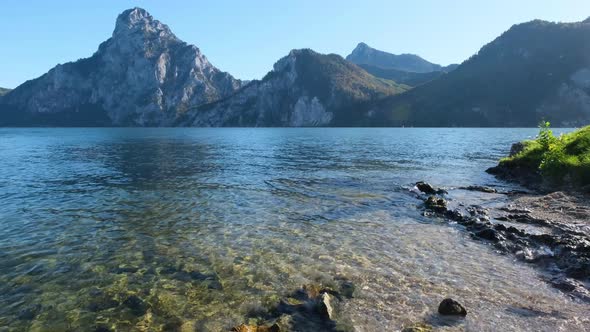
[209,225]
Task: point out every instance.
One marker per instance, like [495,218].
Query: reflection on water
[197,229]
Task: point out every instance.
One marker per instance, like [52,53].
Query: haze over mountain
[363,54]
[4,91]
[305,88]
[536,70]
[142,76]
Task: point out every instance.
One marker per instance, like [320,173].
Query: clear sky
[245,38]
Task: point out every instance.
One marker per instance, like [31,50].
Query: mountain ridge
[142,76]
[403,77]
[295,93]
[535,70]
[364,54]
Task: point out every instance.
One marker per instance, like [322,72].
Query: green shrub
[561,161]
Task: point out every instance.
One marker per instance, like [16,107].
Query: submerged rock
[418,327]
[257,328]
[313,307]
[436,204]
[29,313]
[347,289]
[483,189]
[102,328]
[325,307]
[488,234]
[450,307]
[137,306]
[556,236]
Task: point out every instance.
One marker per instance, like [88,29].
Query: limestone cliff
[142,76]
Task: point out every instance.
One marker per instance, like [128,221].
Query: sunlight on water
[201,228]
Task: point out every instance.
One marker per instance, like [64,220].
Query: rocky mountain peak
[361,49]
[137,20]
[362,46]
[287,63]
[142,76]
[363,54]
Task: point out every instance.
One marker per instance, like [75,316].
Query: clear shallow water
[208,225]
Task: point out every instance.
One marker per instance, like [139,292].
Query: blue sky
[245,38]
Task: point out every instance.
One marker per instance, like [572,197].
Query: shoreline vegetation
[549,226]
[549,163]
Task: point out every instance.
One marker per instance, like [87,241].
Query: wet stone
[450,307]
[563,285]
[478,211]
[500,227]
[455,215]
[514,230]
[29,313]
[488,234]
[418,327]
[428,189]
[172,324]
[543,238]
[125,269]
[325,306]
[425,188]
[436,204]
[347,288]
[168,270]
[137,306]
[579,271]
[483,189]
[257,328]
[102,304]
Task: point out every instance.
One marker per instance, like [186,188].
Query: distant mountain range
[536,70]
[305,88]
[409,78]
[145,76]
[363,54]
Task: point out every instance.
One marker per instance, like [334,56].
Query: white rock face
[278,100]
[571,101]
[294,94]
[142,76]
[309,113]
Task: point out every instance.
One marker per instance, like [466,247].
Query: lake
[207,226]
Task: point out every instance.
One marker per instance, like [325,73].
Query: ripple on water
[146,230]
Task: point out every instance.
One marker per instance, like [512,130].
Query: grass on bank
[561,161]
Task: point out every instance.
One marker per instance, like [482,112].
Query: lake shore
[210,229]
[550,231]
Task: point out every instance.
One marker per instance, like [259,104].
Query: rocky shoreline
[316,307]
[551,231]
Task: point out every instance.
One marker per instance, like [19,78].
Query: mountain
[412,79]
[304,88]
[142,76]
[535,70]
[4,91]
[363,54]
